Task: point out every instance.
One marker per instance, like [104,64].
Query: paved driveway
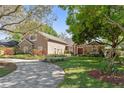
[33,75]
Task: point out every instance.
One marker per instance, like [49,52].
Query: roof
[50,37]
[69,41]
[95,43]
[9,43]
[25,40]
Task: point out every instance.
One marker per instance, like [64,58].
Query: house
[11,43]
[6,48]
[69,46]
[41,43]
[93,47]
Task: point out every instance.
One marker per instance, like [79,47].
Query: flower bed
[114,79]
[7,51]
[39,52]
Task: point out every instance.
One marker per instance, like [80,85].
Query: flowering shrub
[39,52]
[44,52]
[9,51]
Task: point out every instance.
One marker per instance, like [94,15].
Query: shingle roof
[25,40]
[69,41]
[95,43]
[9,43]
[50,37]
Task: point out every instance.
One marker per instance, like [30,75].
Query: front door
[80,50]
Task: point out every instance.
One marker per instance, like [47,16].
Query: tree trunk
[111,59]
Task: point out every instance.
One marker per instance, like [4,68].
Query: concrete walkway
[16,60]
[33,75]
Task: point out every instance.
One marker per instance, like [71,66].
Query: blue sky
[59,26]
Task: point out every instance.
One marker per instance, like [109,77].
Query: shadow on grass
[83,80]
[86,62]
[76,73]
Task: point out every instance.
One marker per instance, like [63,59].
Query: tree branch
[11,31]
[11,12]
[9,24]
[4,29]
[103,42]
[35,27]
[114,23]
[120,41]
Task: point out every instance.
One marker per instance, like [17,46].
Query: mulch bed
[8,65]
[114,79]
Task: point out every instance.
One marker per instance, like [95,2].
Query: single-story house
[93,47]
[6,48]
[41,43]
[11,43]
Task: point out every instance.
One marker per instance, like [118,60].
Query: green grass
[23,56]
[76,73]
[4,71]
[6,68]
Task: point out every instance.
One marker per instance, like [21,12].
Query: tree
[63,36]
[48,29]
[102,23]
[29,27]
[93,22]
[11,16]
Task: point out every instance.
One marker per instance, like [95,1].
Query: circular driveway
[33,75]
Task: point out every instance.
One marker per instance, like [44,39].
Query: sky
[59,25]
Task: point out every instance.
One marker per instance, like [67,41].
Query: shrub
[39,52]
[109,67]
[56,59]
[36,52]
[9,51]
[44,52]
[56,55]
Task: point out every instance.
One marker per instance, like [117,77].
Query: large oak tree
[103,23]
[12,16]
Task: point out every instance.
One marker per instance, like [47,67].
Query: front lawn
[23,56]
[6,68]
[76,75]
[4,71]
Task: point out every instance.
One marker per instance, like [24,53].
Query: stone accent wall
[25,47]
[40,44]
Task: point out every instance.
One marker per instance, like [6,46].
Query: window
[61,51]
[54,50]
[33,37]
[57,51]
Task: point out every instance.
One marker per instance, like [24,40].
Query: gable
[46,37]
[25,42]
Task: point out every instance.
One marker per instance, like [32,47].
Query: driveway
[33,75]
